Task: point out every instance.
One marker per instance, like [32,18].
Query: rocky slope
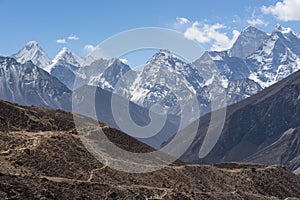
[41,161]
[263,128]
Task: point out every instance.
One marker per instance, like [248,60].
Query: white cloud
[287,10]
[61,41]
[257,22]
[89,48]
[182,20]
[210,34]
[124,60]
[64,41]
[73,37]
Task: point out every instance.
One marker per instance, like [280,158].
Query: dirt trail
[92,173]
[165,191]
[36,140]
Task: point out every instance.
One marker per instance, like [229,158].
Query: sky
[81,25]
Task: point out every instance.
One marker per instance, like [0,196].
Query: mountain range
[28,84]
[255,63]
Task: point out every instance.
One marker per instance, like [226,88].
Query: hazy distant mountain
[102,111]
[68,67]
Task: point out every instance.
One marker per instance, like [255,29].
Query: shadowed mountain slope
[264,123]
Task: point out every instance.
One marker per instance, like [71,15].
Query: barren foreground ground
[40,159]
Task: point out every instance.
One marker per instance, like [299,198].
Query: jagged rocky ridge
[28,84]
[173,84]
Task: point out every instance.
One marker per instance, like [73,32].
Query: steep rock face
[233,68]
[27,84]
[238,90]
[277,58]
[248,41]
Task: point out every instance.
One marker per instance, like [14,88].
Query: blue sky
[87,23]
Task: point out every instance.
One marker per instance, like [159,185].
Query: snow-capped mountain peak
[114,61]
[277,58]
[28,84]
[65,66]
[106,73]
[284,32]
[32,44]
[250,29]
[32,51]
[165,80]
[66,56]
[248,41]
[166,61]
[162,56]
[279,28]
[256,60]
